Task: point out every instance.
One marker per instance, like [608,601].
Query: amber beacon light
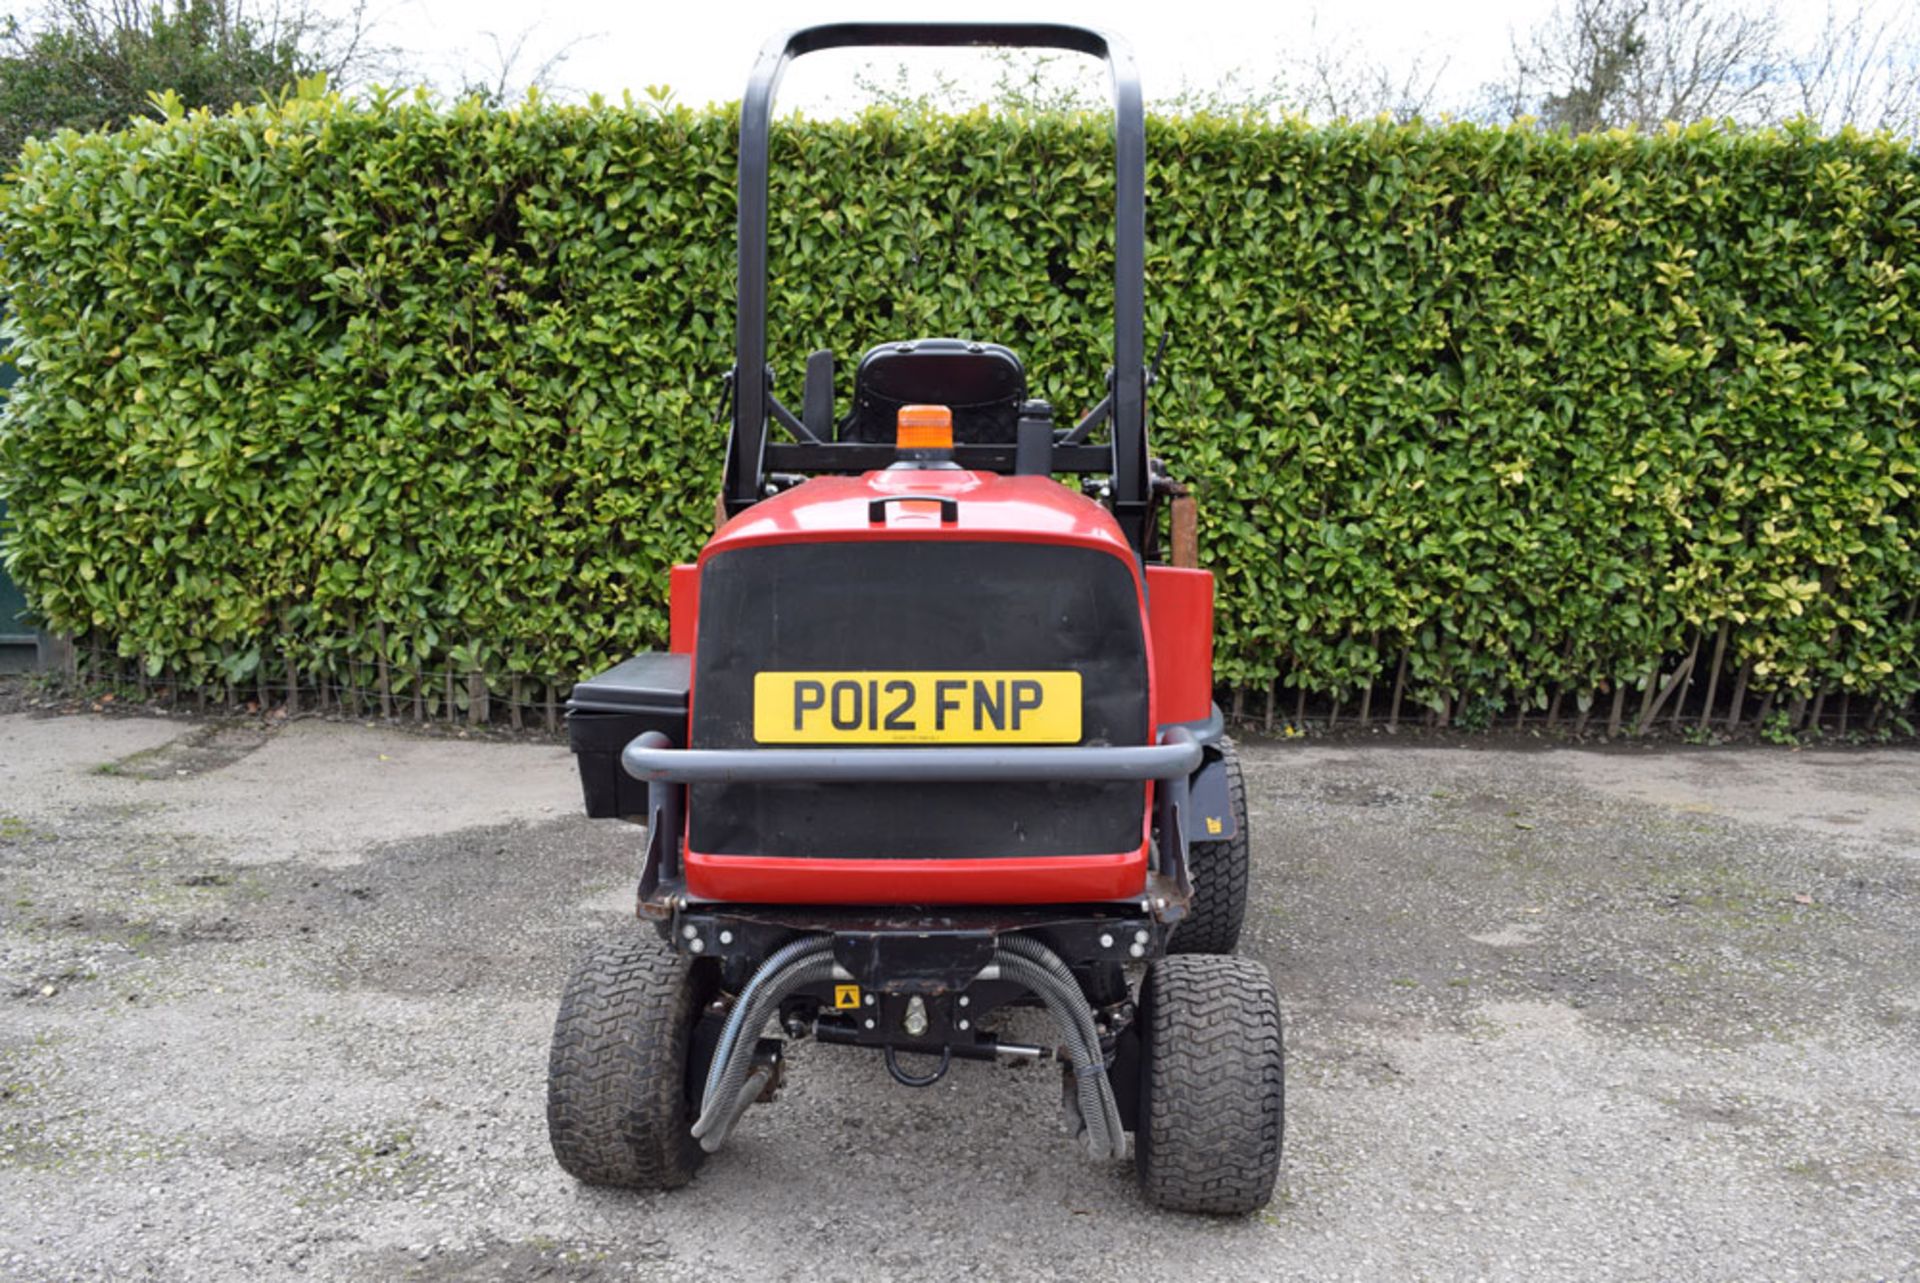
[924,427]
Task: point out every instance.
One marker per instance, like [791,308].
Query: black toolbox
[608,712]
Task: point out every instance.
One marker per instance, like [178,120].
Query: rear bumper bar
[668,770]
[651,757]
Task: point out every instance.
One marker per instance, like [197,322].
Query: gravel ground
[276,1004]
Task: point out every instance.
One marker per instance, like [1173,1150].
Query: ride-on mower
[935,737]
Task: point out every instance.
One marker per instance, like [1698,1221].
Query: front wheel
[619,1103]
[1212,1089]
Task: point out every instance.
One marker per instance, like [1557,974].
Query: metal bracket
[920,963]
[666,805]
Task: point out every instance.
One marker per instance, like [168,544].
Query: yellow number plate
[917,708]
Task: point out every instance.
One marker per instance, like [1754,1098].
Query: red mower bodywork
[934,737]
[1176,617]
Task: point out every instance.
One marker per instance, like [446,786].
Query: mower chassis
[659,1048]
[917,980]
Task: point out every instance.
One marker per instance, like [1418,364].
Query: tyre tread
[1221,873]
[1213,1103]
[617,1110]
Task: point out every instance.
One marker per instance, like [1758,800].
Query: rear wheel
[1212,1092]
[1219,872]
[619,1107]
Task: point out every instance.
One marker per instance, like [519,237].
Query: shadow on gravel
[199,751]
[492,910]
[1458,879]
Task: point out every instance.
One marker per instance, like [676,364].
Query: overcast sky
[705,50]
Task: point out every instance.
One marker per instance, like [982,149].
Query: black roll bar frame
[746,465]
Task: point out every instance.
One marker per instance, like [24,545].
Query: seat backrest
[982,383]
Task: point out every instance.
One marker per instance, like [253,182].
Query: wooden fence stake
[1648,713]
[1680,699]
[1739,695]
[1646,700]
[1186,532]
[380,672]
[1713,675]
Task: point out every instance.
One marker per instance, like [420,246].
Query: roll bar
[752,395]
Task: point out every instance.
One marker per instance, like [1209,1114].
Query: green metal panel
[13,602]
[19,645]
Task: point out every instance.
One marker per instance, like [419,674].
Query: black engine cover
[944,606]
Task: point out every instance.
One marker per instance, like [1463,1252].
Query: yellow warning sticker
[1213,824]
[846,997]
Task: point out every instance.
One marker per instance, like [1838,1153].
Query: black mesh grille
[964,607]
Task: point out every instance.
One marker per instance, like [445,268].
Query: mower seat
[982,383]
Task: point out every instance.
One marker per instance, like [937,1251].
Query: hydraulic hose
[717,1110]
[1038,953]
[737,1023]
[1045,958]
[723,1108]
[1099,1112]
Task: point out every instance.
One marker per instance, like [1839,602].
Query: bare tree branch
[504,84]
[1863,68]
[1337,79]
[1596,64]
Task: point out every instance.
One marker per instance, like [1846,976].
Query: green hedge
[1540,414]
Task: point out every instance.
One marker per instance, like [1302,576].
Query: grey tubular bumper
[650,758]
[1210,729]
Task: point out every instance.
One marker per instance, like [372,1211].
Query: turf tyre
[618,1105]
[1220,872]
[1212,1086]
